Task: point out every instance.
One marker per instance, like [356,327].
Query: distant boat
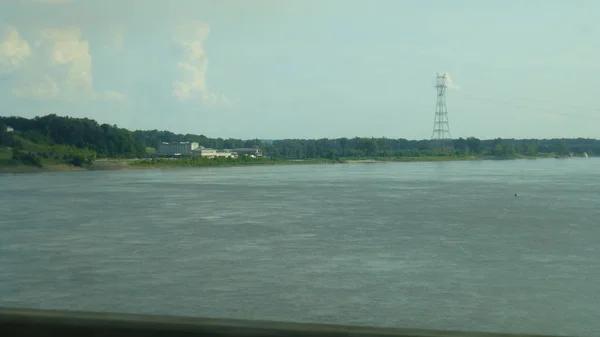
[585,155]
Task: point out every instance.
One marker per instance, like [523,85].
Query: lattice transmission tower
[441,128]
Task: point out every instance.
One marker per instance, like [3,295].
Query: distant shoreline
[130,164]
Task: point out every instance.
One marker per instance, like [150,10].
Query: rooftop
[247,149]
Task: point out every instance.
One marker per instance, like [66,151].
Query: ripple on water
[437,245]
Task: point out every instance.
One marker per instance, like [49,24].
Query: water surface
[429,245]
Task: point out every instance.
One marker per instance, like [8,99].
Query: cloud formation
[59,66]
[193,67]
[70,50]
[13,50]
[449,83]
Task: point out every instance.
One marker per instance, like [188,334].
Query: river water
[423,245]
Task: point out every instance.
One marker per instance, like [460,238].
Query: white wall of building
[192,149]
[178,148]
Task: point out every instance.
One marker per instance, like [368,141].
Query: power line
[572,106]
[533,108]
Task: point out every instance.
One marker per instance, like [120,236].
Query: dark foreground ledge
[34,323]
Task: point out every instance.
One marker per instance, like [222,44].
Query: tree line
[83,133]
[386,147]
[110,141]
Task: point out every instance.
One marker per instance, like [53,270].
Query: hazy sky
[306,68]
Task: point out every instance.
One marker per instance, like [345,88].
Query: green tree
[3,135]
[333,154]
[508,150]
[26,157]
[79,160]
[344,146]
[532,148]
[474,144]
[562,148]
[498,150]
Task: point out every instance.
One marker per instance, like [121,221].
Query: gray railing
[34,323]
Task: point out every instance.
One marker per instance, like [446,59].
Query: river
[424,245]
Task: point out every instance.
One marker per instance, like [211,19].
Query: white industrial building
[254,151]
[192,149]
[212,153]
[178,149]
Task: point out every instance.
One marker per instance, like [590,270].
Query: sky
[275,69]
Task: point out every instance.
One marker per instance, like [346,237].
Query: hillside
[17,151]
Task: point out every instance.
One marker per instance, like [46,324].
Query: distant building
[9,129]
[212,153]
[178,149]
[194,149]
[252,151]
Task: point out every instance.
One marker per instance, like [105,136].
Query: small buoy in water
[515,194]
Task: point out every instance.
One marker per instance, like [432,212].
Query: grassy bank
[8,165]
[216,162]
[409,159]
[442,158]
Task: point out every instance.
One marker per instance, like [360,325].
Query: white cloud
[449,83]
[70,50]
[61,67]
[193,67]
[43,87]
[109,96]
[13,49]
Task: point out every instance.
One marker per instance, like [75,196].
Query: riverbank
[147,164]
[442,158]
[20,168]
[160,164]
[205,162]
[411,159]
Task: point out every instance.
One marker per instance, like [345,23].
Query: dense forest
[105,140]
[69,138]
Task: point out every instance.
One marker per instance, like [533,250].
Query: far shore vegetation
[56,143]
